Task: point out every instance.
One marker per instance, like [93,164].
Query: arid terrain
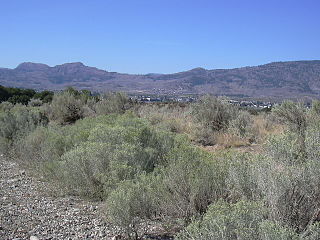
[296,79]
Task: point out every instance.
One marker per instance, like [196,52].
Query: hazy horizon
[183,70]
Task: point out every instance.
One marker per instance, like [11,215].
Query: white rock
[34,238]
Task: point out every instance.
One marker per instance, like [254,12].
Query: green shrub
[42,148]
[44,96]
[83,169]
[284,148]
[17,122]
[242,220]
[131,207]
[269,230]
[290,188]
[91,157]
[173,118]
[211,114]
[190,182]
[312,141]
[241,179]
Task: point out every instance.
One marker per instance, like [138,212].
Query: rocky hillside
[279,79]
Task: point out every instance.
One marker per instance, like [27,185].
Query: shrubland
[189,169]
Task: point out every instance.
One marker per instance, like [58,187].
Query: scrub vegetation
[204,170]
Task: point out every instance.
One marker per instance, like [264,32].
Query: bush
[312,233]
[289,187]
[213,113]
[284,149]
[83,169]
[65,108]
[241,181]
[242,220]
[34,102]
[42,149]
[91,157]
[116,103]
[293,114]
[190,182]
[6,106]
[18,122]
[315,107]
[44,96]
[130,207]
[241,125]
[173,118]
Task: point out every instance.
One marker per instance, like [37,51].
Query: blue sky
[158,36]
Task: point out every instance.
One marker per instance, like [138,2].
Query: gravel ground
[27,212]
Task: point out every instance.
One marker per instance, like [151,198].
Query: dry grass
[173,118]
[179,119]
[264,125]
[228,140]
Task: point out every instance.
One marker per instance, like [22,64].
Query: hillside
[278,79]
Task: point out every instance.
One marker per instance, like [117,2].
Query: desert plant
[289,188]
[65,108]
[130,207]
[242,220]
[241,179]
[112,103]
[213,113]
[294,115]
[6,106]
[315,107]
[34,102]
[18,122]
[241,125]
[192,180]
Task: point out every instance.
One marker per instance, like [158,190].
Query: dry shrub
[242,220]
[265,125]
[213,113]
[116,103]
[65,108]
[173,118]
[229,140]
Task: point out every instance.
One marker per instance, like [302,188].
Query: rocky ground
[27,211]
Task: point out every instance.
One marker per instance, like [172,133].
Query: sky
[158,36]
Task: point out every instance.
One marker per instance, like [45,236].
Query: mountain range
[294,79]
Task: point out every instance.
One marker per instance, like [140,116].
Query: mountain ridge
[275,79]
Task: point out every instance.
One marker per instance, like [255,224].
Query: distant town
[192,98]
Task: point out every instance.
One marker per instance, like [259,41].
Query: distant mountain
[294,79]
